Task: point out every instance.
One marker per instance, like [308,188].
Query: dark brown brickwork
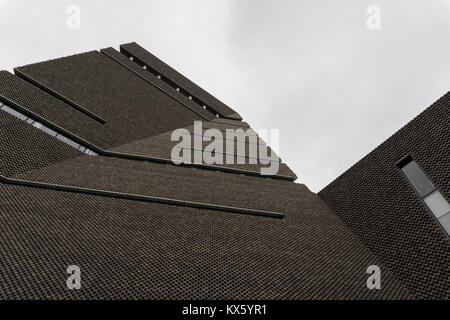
[22,93]
[162,146]
[157,83]
[24,148]
[132,107]
[135,50]
[379,205]
[135,250]
[169,181]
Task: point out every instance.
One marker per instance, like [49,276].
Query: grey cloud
[311,68]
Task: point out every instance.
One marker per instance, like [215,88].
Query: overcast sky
[335,88]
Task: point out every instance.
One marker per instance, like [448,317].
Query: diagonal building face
[396,200]
[88,179]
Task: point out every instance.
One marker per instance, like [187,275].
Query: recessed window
[432,197]
[14,113]
[47,130]
[418,178]
[445,222]
[437,203]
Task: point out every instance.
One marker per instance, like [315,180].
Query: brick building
[87,179]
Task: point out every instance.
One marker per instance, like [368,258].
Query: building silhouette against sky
[87,180]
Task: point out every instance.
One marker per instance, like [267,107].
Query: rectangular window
[432,197]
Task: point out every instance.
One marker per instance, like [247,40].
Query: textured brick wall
[132,108]
[137,250]
[379,205]
[24,148]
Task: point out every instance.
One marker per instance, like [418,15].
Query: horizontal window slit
[45,129]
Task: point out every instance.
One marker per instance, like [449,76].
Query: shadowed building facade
[87,179]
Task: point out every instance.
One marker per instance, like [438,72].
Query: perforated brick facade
[376,201]
[141,227]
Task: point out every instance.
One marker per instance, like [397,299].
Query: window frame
[400,165]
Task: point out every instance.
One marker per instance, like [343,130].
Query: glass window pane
[437,204]
[418,178]
[67,141]
[72,143]
[445,222]
[14,113]
[48,131]
[37,125]
[61,137]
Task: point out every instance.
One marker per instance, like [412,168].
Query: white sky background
[334,88]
